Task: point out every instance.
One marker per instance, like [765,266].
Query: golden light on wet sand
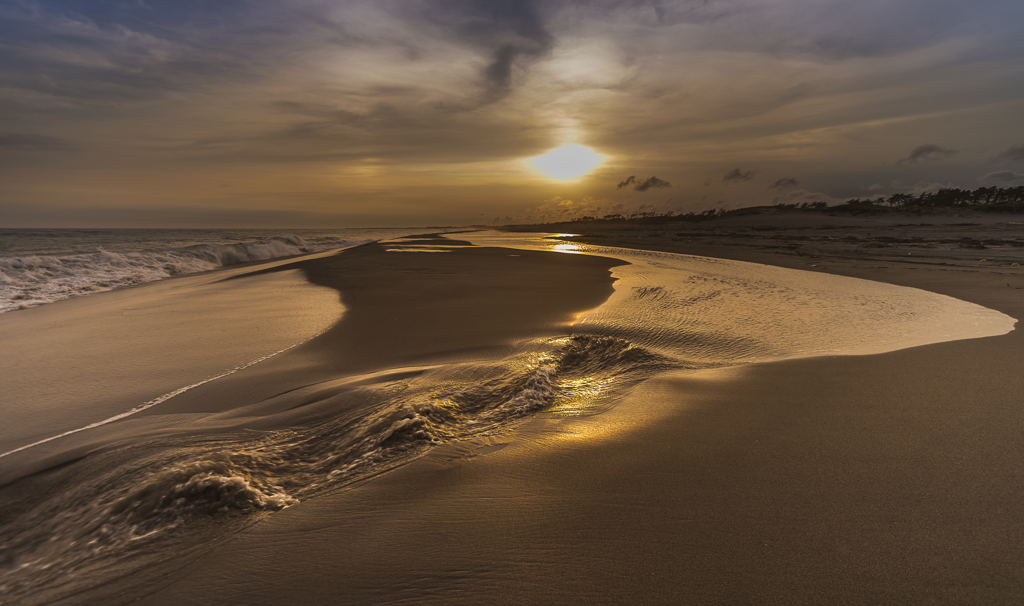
[566,162]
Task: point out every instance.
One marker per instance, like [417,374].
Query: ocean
[40,266]
[145,425]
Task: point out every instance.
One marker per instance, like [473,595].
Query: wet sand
[419,308]
[891,478]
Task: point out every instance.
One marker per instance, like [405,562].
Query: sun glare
[566,162]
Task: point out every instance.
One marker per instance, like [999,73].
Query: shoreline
[923,252]
[838,479]
[340,407]
[447,321]
[881,478]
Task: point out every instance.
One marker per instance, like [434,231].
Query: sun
[566,162]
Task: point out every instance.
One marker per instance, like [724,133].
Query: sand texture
[891,478]
[887,478]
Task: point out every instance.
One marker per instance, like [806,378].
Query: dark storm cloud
[928,151]
[1014,154]
[784,183]
[510,32]
[647,184]
[644,185]
[1003,176]
[736,175]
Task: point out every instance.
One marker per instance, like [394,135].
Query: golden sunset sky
[312,113]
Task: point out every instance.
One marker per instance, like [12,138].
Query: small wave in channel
[116,507]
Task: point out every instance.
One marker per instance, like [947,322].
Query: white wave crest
[34,280]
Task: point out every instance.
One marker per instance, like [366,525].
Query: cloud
[366,100]
[644,185]
[695,13]
[649,183]
[510,33]
[736,175]
[559,202]
[1015,153]
[353,59]
[1003,176]
[557,208]
[784,183]
[928,151]
[33,142]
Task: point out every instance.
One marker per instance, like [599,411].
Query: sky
[313,113]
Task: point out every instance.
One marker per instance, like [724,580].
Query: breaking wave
[33,280]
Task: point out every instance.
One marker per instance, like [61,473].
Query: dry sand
[888,479]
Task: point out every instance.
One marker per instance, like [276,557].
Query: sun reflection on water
[567,248]
[581,397]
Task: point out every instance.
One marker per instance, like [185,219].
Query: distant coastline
[943,202]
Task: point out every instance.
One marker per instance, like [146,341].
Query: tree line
[1007,199]
[950,197]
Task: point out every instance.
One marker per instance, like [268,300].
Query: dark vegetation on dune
[943,201]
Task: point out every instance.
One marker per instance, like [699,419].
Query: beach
[755,472]
[518,303]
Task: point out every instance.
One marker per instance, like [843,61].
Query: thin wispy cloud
[1003,176]
[737,175]
[784,183]
[1015,153]
[927,152]
[20,142]
[378,99]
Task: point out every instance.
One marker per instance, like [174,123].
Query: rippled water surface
[724,312]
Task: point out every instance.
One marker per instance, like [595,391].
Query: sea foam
[32,280]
